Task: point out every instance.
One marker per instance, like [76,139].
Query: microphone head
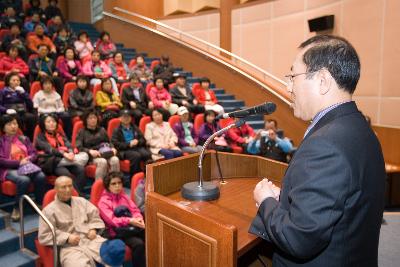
[269,108]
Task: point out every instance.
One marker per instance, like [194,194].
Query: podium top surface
[235,206]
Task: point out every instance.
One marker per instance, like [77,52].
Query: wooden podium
[193,233]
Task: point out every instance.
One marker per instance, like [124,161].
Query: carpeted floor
[389,242]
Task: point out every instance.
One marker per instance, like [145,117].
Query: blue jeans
[170,153]
[23,181]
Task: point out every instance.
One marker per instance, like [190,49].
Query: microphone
[265,108]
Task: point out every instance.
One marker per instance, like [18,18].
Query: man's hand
[132,104]
[133,143]
[94,153]
[265,189]
[114,151]
[92,234]
[185,103]
[137,222]
[151,105]
[73,239]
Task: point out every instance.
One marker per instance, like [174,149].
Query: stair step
[128,50]
[219,91]
[230,109]
[2,220]
[231,103]
[9,242]
[256,125]
[225,97]
[19,259]
[193,79]
[31,222]
[119,45]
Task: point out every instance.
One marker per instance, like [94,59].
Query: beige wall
[267,33]
[204,25]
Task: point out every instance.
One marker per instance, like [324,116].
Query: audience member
[122,217]
[17,157]
[161,98]
[108,102]
[130,143]
[70,67]
[142,71]
[241,136]
[63,40]
[105,46]
[15,38]
[164,70]
[48,100]
[58,157]
[14,99]
[135,99]
[39,38]
[206,97]
[31,24]
[16,4]
[76,222]
[160,137]
[43,66]
[119,69]
[52,10]
[13,63]
[56,24]
[9,18]
[187,137]
[34,8]
[97,70]
[182,95]
[80,99]
[84,47]
[94,140]
[209,127]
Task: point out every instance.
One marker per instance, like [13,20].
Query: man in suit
[329,210]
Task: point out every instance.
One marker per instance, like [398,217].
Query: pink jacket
[107,204]
[64,69]
[158,96]
[7,64]
[88,68]
[83,49]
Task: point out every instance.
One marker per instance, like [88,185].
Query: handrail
[211,55]
[22,230]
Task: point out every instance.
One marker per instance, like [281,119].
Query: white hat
[182,110]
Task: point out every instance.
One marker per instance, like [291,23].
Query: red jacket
[7,64]
[201,96]
[237,135]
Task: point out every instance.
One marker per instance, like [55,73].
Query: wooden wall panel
[390,142]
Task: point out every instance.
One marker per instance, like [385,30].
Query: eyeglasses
[290,77]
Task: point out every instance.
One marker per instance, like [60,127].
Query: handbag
[28,168]
[125,231]
[106,150]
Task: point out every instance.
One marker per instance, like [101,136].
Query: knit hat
[112,252]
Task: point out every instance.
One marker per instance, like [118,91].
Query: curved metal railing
[264,78]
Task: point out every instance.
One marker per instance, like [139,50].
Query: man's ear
[325,81]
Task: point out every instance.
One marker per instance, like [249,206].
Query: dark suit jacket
[178,97]
[332,197]
[128,96]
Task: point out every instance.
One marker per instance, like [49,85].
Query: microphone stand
[201,190]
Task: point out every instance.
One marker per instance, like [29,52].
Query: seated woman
[14,99]
[209,127]
[119,69]
[160,137]
[241,136]
[97,70]
[80,99]
[92,139]
[130,143]
[58,157]
[83,47]
[206,97]
[105,46]
[143,72]
[122,217]
[13,63]
[16,157]
[187,137]
[108,102]
[70,67]
[48,100]
[135,99]
[162,99]
[63,40]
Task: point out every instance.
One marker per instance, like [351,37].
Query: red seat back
[3,33]
[195,89]
[174,119]
[35,87]
[59,60]
[143,122]
[148,88]
[123,86]
[75,130]
[154,63]
[132,63]
[198,121]
[225,122]
[68,88]
[96,191]
[51,194]
[112,124]
[134,182]
[2,85]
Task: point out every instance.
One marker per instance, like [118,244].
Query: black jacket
[119,143]
[79,103]
[332,198]
[177,96]
[128,96]
[91,139]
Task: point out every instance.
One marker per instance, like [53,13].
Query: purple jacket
[206,130]
[180,132]
[107,204]
[10,97]
[5,150]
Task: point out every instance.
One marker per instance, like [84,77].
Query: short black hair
[83,33]
[46,79]
[9,76]
[12,47]
[86,115]
[110,176]
[104,33]
[82,77]
[336,55]
[119,52]
[69,48]
[6,118]
[208,113]
[204,80]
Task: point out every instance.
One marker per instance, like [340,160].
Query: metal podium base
[192,191]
